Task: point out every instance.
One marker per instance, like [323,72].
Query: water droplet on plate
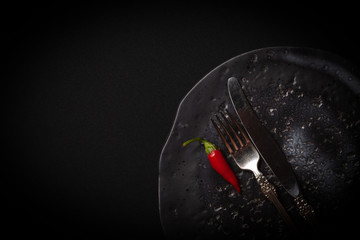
[218,207]
[232,194]
[276,99]
[273,130]
[245,226]
[294,81]
[254,58]
[234,214]
[271,111]
[270,54]
[219,188]
[310,160]
[351,156]
[244,80]
[265,69]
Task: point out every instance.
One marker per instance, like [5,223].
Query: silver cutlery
[247,157]
[268,149]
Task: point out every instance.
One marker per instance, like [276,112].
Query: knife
[267,147]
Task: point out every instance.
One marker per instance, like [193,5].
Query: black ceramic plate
[309,101]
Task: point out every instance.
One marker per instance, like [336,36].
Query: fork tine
[232,130]
[228,134]
[222,137]
[237,126]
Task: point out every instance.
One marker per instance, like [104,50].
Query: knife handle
[269,191]
[305,210]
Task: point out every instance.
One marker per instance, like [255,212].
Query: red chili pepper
[218,162]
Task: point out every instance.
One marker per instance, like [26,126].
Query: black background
[91,92]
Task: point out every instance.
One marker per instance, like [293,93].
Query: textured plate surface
[309,101]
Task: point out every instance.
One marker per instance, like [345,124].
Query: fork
[246,157]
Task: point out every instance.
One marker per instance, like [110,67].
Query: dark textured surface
[309,101]
[90,93]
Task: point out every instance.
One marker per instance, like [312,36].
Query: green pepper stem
[209,147]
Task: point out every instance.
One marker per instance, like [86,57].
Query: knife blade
[267,147]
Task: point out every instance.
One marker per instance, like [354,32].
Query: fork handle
[269,191]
